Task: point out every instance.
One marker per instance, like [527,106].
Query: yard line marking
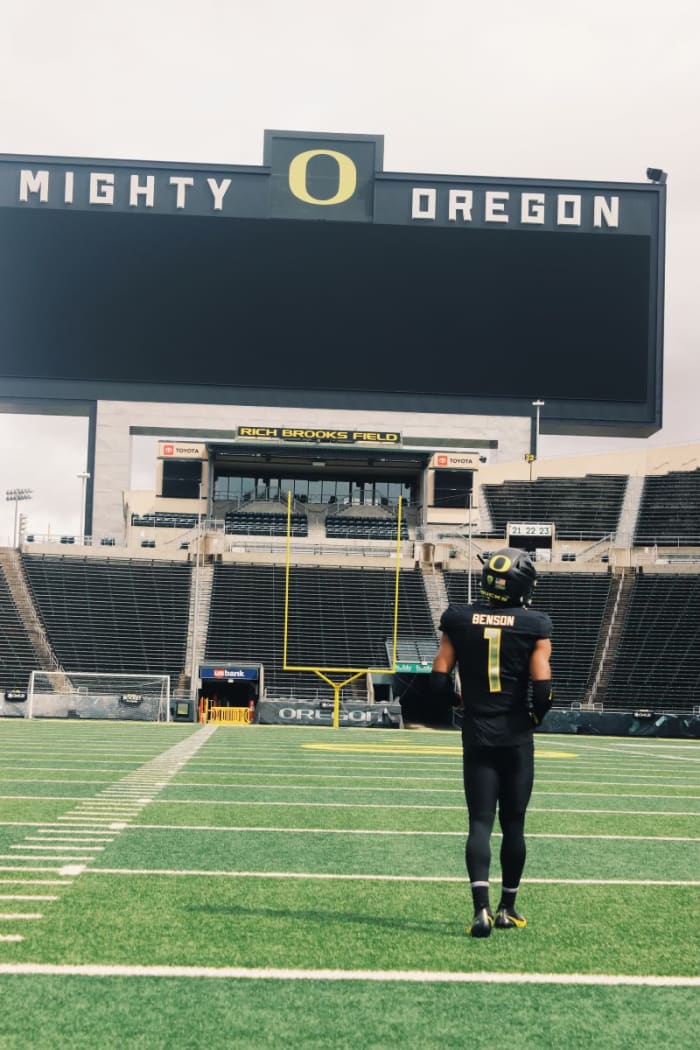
[14,856]
[67,834]
[61,845]
[11,937]
[36,882]
[201,873]
[44,882]
[419,805]
[255,778]
[11,917]
[390,831]
[43,798]
[394,976]
[450,791]
[28,897]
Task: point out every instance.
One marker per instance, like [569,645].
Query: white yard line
[28,897]
[383,831]
[329,876]
[441,791]
[258,779]
[35,848]
[411,805]
[382,976]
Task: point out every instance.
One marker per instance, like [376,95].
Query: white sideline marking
[379,831]
[10,917]
[11,937]
[198,873]
[395,976]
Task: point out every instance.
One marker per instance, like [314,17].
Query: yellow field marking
[408,749]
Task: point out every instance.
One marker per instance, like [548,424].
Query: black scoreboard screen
[324,306]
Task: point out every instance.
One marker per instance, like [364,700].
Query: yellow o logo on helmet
[500,563]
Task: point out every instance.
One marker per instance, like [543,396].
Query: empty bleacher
[264,523]
[576,603]
[669,511]
[17,656]
[361,527]
[657,665]
[585,508]
[112,615]
[164,520]
[337,618]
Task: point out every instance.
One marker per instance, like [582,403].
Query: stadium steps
[485,523]
[17,584]
[435,592]
[630,511]
[198,618]
[613,622]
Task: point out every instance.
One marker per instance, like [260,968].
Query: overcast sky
[589,89]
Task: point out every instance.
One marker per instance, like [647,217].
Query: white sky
[589,89]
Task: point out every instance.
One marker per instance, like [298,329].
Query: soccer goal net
[129,697]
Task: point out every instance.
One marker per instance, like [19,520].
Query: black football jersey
[493,647]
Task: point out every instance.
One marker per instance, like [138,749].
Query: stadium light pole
[537,405]
[469,584]
[15,496]
[84,477]
[195,611]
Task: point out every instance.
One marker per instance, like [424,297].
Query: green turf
[83,1013]
[375,781]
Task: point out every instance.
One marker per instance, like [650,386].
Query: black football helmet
[509,577]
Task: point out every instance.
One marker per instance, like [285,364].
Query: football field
[198,886]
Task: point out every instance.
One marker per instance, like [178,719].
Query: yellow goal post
[351,673]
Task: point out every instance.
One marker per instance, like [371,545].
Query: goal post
[350,673]
[94,695]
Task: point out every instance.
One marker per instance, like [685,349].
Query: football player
[502,650]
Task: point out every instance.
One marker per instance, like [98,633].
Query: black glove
[442,686]
[541,701]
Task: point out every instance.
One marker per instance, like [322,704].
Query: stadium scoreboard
[317,280]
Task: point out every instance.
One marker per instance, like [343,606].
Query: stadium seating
[17,656]
[657,664]
[576,603]
[264,523]
[164,520]
[112,615]
[337,618]
[585,508]
[669,511]
[356,527]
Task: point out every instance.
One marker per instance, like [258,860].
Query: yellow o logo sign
[500,563]
[347,176]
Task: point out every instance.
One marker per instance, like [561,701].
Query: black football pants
[497,777]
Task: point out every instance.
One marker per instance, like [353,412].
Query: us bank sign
[328,177]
